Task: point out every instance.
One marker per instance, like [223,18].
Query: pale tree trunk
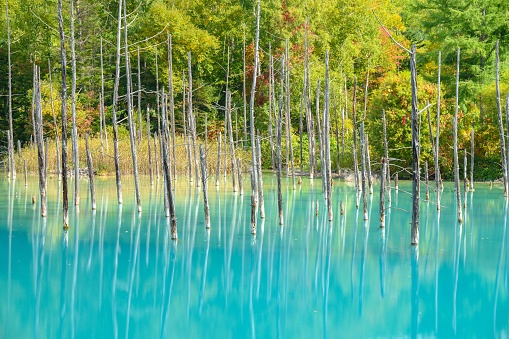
[167,175]
[65,195]
[218,166]
[230,136]
[40,142]
[192,119]
[271,109]
[204,178]
[472,154]
[150,168]
[261,199]
[74,134]
[115,104]
[455,141]
[140,127]
[278,153]
[363,171]
[101,107]
[244,94]
[415,152]
[326,136]
[132,130]
[354,117]
[437,136]
[252,98]
[12,168]
[500,121]
[253,202]
[382,192]
[90,173]
[239,173]
[172,105]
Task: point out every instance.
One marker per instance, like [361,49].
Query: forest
[215,41]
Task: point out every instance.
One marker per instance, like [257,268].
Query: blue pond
[117,273]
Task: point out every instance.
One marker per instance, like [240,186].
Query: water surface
[118,274]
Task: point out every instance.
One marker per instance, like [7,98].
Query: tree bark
[382,193]
[172,104]
[74,134]
[167,175]
[218,166]
[192,119]
[261,199]
[354,117]
[278,153]
[326,137]
[363,171]
[204,178]
[150,167]
[90,173]
[65,199]
[416,147]
[239,173]
[132,128]
[230,136]
[455,141]
[437,136]
[500,121]
[472,156]
[253,203]
[140,127]
[40,142]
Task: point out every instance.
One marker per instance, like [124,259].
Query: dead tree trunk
[167,175]
[40,142]
[363,171]
[90,173]
[354,117]
[192,119]
[239,173]
[278,153]
[472,155]
[382,193]
[437,136]
[252,97]
[218,166]
[140,127]
[74,134]
[272,104]
[368,163]
[455,141]
[500,121]
[326,137]
[12,168]
[416,151]
[309,118]
[426,179]
[261,199]
[204,178]
[230,136]
[65,195]
[132,128]
[114,106]
[253,202]
[101,107]
[172,105]
[185,123]
[465,187]
[244,94]
[150,168]
[25,172]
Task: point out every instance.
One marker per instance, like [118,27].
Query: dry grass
[103,162]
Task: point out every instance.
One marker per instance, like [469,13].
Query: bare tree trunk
[114,106]
[252,97]
[12,168]
[465,188]
[272,104]
[150,167]
[167,175]
[156,160]
[74,134]
[40,142]
[426,179]
[185,120]
[336,130]
[278,153]
[140,127]
[472,156]
[101,105]
[287,109]
[192,119]
[326,137]
[309,119]
[239,173]
[90,173]
[132,128]
[218,166]
[172,104]
[253,202]
[288,115]
[261,199]
[437,136]
[204,178]
[320,134]
[25,172]
[415,152]
[64,120]
[368,162]
[363,172]
[382,193]
[455,142]
[354,117]
[244,94]
[500,121]
[230,136]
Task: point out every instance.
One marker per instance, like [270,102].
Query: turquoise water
[118,274]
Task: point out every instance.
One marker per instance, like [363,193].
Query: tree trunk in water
[382,193]
[150,168]
[472,156]
[40,143]
[362,138]
[239,173]
[156,160]
[90,173]
[12,168]
[326,137]
[132,127]
[192,119]
[74,133]
[272,104]
[252,97]
[218,166]
[167,182]
[261,200]
[455,142]
[64,120]
[500,121]
[25,172]
[426,179]
[437,136]
[114,106]
[368,162]
[278,153]
[172,104]
[101,104]
[354,117]
[253,203]
[465,187]
[204,178]
[230,136]
[415,152]
[54,120]
[140,127]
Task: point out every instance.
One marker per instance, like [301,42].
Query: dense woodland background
[213,29]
